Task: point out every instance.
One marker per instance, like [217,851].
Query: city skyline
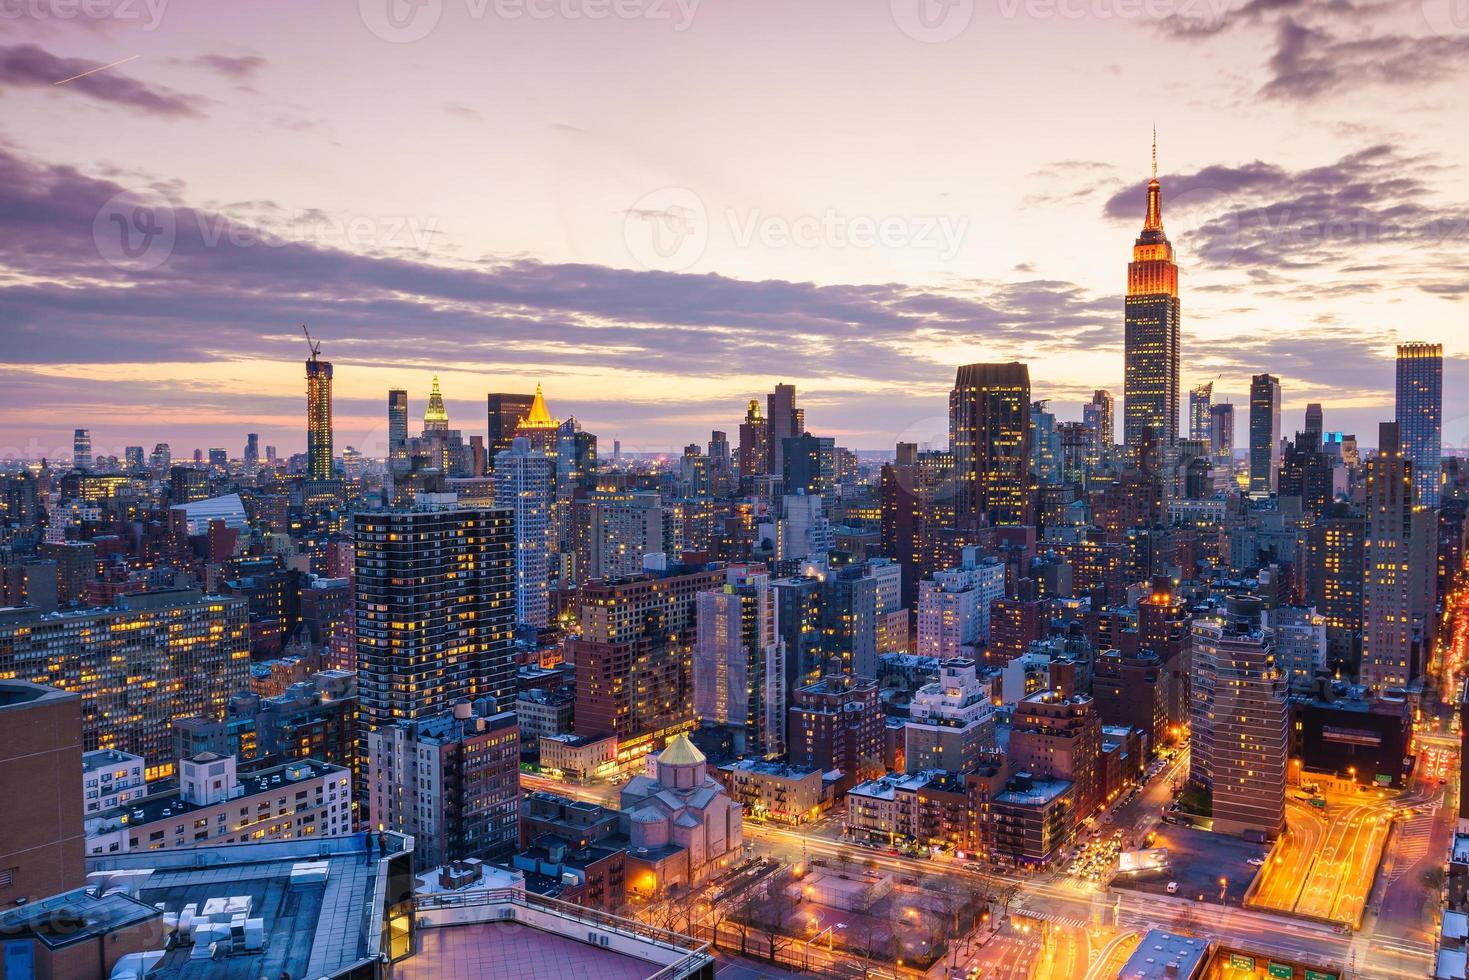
[519,248]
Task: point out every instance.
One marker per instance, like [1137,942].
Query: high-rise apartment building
[1240,718]
[634,657]
[739,662]
[81,449]
[138,665]
[1334,581]
[836,724]
[1099,415]
[1264,433]
[318,417]
[753,460]
[525,485]
[1399,558]
[989,435]
[435,610]
[1420,417]
[951,722]
[1201,412]
[1221,431]
[623,527]
[451,781]
[1152,340]
[954,606]
[1057,734]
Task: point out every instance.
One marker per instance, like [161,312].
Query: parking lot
[1197,860]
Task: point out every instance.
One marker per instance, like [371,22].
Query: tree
[771,916]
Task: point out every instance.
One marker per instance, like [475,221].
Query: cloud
[28,66]
[1373,207]
[463,111]
[242,67]
[1327,47]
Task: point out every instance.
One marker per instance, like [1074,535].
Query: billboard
[1142,859]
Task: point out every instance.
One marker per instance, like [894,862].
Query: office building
[1221,431]
[525,486]
[754,446]
[138,665]
[40,756]
[435,610]
[782,421]
[505,410]
[1152,340]
[1201,413]
[450,781]
[397,424]
[318,416]
[1240,720]
[739,663]
[1420,417]
[989,435]
[1315,422]
[1264,433]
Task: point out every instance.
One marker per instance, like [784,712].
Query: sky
[658,209]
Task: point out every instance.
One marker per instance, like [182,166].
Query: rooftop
[169,803]
[1165,955]
[14,693]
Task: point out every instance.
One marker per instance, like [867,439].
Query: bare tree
[771,916]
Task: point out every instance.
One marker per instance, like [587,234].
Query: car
[1256,862]
[1173,888]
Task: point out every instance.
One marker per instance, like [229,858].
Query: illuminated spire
[1153,220]
[538,417]
[1155,152]
[1152,271]
[434,417]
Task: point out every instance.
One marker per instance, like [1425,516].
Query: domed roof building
[681,824]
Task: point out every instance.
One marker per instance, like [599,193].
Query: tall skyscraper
[782,421]
[754,447]
[252,451]
[525,485]
[1240,717]
[435,416]
[739,662]
[1201,412]
[1398,559]
[1264,433]
[1100,415]
[81,449]
[1420,416]
[989,435]
[505,412]
[1152,340]
[1221,430]
[1315,421]
[318,415]
[397,423]
[435,610]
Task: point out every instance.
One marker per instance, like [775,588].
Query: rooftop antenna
[1155,151]
[315,345]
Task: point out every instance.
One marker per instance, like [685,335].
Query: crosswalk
[1414,836]
[1060,920]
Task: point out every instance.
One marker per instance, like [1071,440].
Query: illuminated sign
[1238,962]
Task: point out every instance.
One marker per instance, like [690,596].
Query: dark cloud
[1327,47]
[28,66]
[241,68]
[1357,212]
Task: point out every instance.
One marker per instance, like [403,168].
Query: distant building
[954,607]
[1151,344]
[989,434]
[739,662]
[951,722]
[318,416]
[1420,416]
[1264,433]
[525,485]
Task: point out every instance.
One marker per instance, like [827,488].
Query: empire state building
[1151,344]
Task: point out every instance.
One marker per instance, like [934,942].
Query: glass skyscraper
[1420,416]
[1264,433]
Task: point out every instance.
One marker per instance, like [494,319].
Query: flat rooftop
[509,949]
[1165,956]
[160,806]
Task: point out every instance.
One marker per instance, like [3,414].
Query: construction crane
[315,345]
